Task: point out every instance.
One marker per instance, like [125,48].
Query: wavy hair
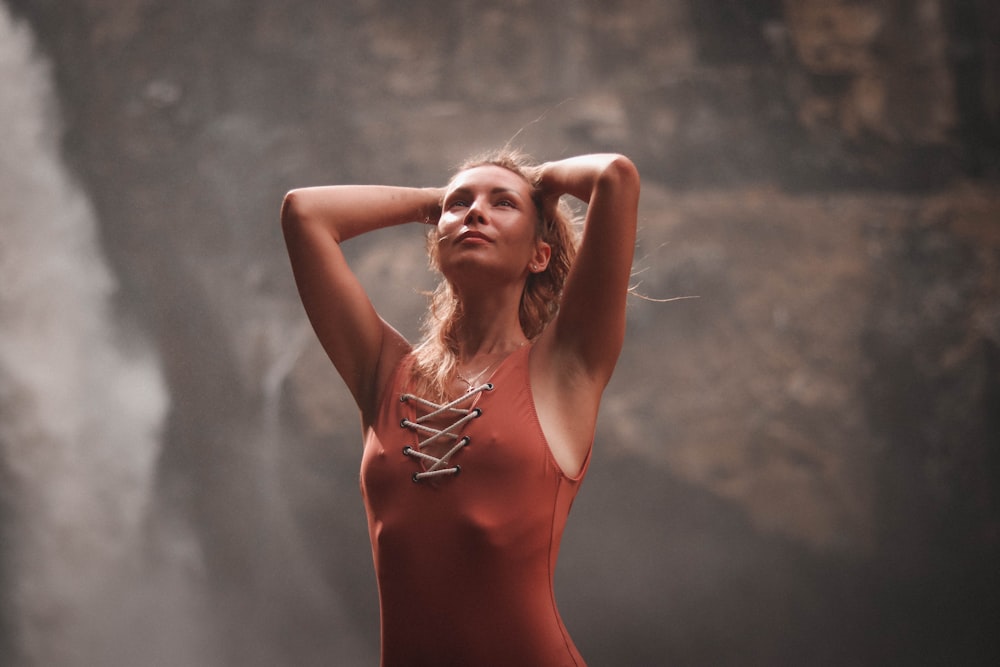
[435,357]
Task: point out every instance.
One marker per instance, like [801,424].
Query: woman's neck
[490,324]
[489,341]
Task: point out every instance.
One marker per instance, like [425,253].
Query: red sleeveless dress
[465,556]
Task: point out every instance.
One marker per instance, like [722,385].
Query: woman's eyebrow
[509,191]
[498,190]
[463,191]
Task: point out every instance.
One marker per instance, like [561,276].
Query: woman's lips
[473,238]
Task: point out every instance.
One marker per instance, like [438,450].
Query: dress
[464,562]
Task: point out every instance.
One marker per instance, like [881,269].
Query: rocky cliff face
[799,466]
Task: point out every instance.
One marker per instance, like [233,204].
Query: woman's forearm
[346,211]
[580,176]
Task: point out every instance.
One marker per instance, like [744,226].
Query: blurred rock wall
[799,466]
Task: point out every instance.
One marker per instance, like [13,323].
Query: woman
[477,438]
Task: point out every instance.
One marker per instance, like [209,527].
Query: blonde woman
[477,437]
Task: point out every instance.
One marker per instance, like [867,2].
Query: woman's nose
[475,213]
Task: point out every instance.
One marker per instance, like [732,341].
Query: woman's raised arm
[589,330]
[315,221]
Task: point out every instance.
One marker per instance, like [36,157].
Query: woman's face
[489,221]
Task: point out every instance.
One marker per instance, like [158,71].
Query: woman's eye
[505,202]
[458,203]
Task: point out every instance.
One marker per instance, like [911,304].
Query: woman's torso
[465,562]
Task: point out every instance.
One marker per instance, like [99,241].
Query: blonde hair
[435,357]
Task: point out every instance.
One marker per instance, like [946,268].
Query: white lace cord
[437,466]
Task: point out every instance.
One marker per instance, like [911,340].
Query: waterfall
[82,398]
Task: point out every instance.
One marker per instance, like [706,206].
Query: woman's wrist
[430,210]
[541,177]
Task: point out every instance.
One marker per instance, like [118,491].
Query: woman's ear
[540,259]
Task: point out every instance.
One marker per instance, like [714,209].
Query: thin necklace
[472,382]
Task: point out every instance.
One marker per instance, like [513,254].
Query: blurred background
[799,467]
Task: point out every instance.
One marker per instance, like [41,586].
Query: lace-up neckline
[463,410]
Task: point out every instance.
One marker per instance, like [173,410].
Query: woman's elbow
[621,172]
[619,178]
[292,209]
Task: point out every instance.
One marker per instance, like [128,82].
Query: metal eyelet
[489,386]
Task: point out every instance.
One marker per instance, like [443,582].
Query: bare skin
[488,248]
